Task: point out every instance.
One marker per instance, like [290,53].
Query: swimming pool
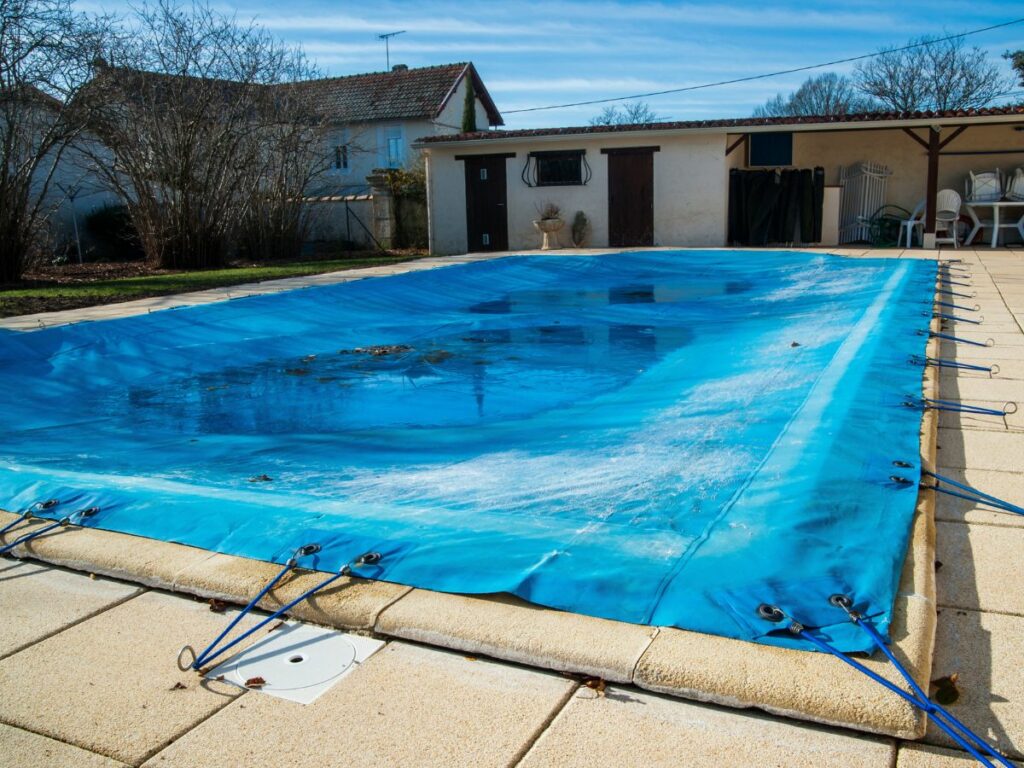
[668,438]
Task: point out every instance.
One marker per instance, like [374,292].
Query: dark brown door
[486,198]
[631,197]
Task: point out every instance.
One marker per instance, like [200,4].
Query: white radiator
[863,194]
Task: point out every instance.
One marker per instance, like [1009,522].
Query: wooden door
[486,203]
[631,196]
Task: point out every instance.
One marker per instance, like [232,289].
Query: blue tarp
[668,438]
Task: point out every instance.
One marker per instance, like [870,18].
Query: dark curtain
[766,206]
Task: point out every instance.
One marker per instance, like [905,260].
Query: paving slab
[349,603]
[981,449]
[506,627]
[407,705]
[926,756]
[1008,486]
[24,749]
[628,727]
[110,684]
[978,562]
[25,587]
[107,553]
[987,389]
[985,650]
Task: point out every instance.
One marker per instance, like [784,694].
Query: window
[341,157]
[340,152]
[390,146]
[770,150]
[558,168]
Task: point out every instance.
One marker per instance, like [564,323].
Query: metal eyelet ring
[186,649]
[1010,407]
[369,558]
[902,464]
[900,480]
[770,613]
[307,549]
[841,601]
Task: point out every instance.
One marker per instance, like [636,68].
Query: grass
[35,297]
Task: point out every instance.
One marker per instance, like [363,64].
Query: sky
[533,54]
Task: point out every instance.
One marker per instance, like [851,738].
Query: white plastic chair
[984,187]
[947,216]
[916,221]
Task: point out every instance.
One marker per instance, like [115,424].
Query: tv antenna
[386,37]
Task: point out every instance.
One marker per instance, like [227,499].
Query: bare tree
[44,52]
[935,74]
[630,113]
[825,94]
[208,131]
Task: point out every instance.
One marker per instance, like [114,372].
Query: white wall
[690,190]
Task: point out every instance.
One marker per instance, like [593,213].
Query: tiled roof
[400,94]
[741,122]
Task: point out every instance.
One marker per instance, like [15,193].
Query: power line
[764,76]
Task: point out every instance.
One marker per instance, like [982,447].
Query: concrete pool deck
[978,630]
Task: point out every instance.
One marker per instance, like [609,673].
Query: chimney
[400,68]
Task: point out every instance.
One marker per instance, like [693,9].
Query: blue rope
[29,513]
[956,339]
[943,316]
[970,494]
[75,518]
[942,363]
[966,738]
[957,407]
[212,652]
[975,308]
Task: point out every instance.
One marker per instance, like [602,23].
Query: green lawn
[42,298]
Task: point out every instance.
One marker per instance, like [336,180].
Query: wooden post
[932,188]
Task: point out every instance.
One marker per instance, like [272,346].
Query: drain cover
[297,662]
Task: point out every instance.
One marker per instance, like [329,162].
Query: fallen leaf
[255,682]
[260,479]
[217,606]
[794,344]
[596,684]
[946,690]
[179,686]
[276,626]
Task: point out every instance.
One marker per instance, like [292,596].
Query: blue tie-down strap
[187,657]
[76,518]
[963,491]
[955,406]
[772,615]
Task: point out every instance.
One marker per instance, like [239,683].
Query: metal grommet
[307,549]
[902,464]
[48,504]
[900,480]
[88,512]
[191,652]
[841,601]
[369,558]
[770,613]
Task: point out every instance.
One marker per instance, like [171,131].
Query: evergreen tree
[469,107]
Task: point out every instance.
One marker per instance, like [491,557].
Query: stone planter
[550,229]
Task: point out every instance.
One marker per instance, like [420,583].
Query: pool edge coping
[671,661]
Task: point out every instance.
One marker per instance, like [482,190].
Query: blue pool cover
[668,438]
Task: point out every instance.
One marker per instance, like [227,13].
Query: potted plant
[580,224]
[549,223]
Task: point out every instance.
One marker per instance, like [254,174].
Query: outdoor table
[997,207]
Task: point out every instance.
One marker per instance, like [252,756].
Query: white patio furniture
[1014,212]
[947,214]
[916,221]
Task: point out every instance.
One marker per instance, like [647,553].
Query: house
[669,183]
[375,118]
